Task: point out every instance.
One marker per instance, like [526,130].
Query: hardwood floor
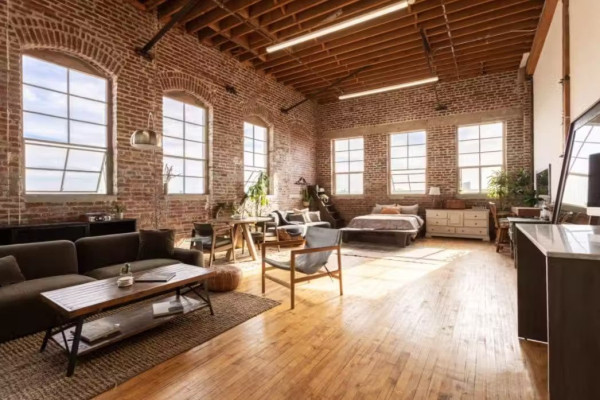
[434,321]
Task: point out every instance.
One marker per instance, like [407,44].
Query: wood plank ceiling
[466,38]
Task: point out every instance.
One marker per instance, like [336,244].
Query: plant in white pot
[118,209]
[258,193]
[306,198]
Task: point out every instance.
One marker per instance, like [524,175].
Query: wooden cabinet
[473,224]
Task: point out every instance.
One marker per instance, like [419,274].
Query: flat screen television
[542,183]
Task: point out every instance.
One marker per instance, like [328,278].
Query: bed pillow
[390,210]
[413,210]
[378,207]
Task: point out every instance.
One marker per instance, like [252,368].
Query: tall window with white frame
[408,162]
[349,165]
[256,148]
[480,154]
[65,128]
[185,149]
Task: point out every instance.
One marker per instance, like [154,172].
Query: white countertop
[564,241]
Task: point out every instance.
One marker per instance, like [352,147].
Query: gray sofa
[288,219]
[58,264]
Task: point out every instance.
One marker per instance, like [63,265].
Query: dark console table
[63,231]
[558,296]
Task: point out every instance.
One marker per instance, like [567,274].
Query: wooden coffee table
[76,303]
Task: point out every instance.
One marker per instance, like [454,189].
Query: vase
[306,203]
[120,215]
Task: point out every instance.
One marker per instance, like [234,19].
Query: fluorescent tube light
[342,25]
[389,88]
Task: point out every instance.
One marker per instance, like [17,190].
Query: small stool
[227,279]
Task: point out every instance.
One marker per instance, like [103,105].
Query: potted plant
[258,193]
[306,199]
[499,188]
[167,176]
[119,209]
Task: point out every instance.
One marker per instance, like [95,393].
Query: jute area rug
[25,373]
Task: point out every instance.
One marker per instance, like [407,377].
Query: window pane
[81,160]
[356,155]
[172,147]
[400,178]
[259,147]
[194,132]
[176,185]
[356,183]
[356,166]
[194,168]
[87,110]
[81,181]
[486,173]
[469,179]
[172,108]
[248,130]
[45,74]
[88,134]
[194,114]
[342,167]
[417,187]
[341,156]
[400,139]
[341,184]
[260,133]
[44,101]
[172,128]
[194,149]
[416,138]
[400,187]
[397,152]
[248,159]
[248,144]
[45,157]
[341,145]
[419,178]
[417,151]
[85,85]
[260,160]
[176,163]
[468,146]
[417,163]
[491,144]
[399,163]
[42,181]
[194,185]
[494,158]
[468,132]
[40,127]
[491,130]
[355,144]
[468,160]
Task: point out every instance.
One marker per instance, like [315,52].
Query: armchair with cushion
[310,261]
[211,238]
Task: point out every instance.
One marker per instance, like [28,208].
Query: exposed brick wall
[104,33]
[482,97]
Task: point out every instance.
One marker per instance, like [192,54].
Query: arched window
[256,151]
[65,126]
[185,149]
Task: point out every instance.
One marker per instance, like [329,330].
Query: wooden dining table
[241,231]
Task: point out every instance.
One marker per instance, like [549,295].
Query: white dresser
[473,224]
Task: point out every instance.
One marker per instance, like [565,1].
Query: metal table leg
[75,347]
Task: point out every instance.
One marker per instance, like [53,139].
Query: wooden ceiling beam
[199,10]
[540,36]
[166,10]
[153,4]
[216,14]
[254,13]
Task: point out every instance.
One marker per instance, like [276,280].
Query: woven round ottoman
[227,279]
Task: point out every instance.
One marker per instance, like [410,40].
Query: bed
[402,227]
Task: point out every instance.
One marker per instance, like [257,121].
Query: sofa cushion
[22,311]
[315,216]
[9,271]
[156,244]
[100,251]
[136,266]
[43,259]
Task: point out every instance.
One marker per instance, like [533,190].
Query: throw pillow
[378,207]
[315,216]
[390,210]
[9,271]
[304,212]
[413,210]
[156,244]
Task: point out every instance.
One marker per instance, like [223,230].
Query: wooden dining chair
[311,261]
[213,238]
[501,225]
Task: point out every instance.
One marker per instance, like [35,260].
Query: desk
[241,229]
[513,221]
[558,296]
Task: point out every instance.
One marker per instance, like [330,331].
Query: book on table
[156,277]
[94,331]
[167,308]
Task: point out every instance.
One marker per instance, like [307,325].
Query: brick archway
[179,81]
